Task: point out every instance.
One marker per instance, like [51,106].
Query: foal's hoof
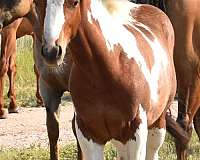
[3,113]
[13,110]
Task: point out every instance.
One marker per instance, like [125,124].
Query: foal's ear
[72,3]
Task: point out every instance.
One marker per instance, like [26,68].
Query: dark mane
[157,3]
[9,4]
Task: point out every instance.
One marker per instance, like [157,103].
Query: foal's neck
[89,39]
[99,19]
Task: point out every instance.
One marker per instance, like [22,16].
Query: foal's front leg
[90,149]
[156,137]
[37,95]
[134,149]
[13,108]
[51,99]
[196,122]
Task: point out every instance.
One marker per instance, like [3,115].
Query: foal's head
[13,9]
[61,23]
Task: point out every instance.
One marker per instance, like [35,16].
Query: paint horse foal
[123,79]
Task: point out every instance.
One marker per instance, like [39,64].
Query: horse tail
[176,130]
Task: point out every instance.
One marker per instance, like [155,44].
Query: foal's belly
[103,122]
[104,115]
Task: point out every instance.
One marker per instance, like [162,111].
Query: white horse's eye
[72,3]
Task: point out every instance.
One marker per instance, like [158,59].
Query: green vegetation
[25,88]
[69,152]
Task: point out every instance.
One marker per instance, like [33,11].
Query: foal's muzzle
[52,55]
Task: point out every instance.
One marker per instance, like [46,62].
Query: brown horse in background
[185,18]
[10,10]
[9,34]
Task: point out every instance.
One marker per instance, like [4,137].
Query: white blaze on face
[53,21]
[112,27]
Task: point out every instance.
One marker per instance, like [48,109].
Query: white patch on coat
[112,27]
[90,149]
[54,20]
[134,149]
[160,62]
[155,140]
[89,15]
[108,25]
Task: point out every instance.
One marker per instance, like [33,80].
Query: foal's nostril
[44,51]
[59,51]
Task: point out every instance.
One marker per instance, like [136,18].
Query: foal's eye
[72,3]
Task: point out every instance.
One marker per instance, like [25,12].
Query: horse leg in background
[183,120]
[51,99]
[196,122]
[12,74]
[3,69]
[79,152]
[38,96]
[186,119]
[8,42]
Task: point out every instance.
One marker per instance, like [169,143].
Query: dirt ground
[28,127]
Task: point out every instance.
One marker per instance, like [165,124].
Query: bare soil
[28,127]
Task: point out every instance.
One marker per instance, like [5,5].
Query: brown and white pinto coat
[123,78]
[9,34]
